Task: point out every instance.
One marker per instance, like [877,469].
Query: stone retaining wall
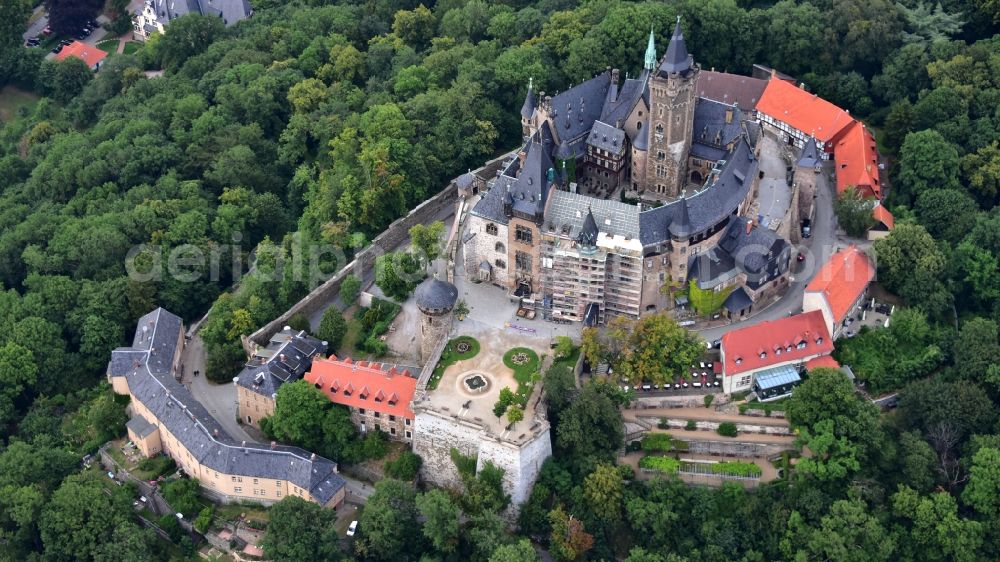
[743,427]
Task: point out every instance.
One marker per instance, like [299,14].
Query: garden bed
[374,321]
[524,363]
[458,349]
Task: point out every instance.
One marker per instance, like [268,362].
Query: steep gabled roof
[795,338]
[842,280]
[388,391]
[528,108]
[676,59]
[87,53]
[575,110]
[883,216]
[730,88]
[856,156]
[809,156]
[805,112]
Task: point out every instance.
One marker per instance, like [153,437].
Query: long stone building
[549,230]
[166,418]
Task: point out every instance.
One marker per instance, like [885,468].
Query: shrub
[727,429]
[662,424]
[204,520]
[736,468]
[332,328]
[157,466]
[708,400]
[350,287]
[657,442]
[633,446]
[172,527]
[405,467]
[660,464]
[299,322]
[184,496]
[691,425]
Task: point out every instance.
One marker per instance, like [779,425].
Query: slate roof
[588,232]
[529,191]
[230,11]
[607,137]
[617,108]
[730,88]
[528,108]
[152,383]
[712,268]
[737,300]
[568,211]
[285,359]
[563,151]
[711,205]
[712,133]
[435,294]
[575,110]
[809,157]
[490,205]
[465,180]
[759,252]
[140,426]
[676,59]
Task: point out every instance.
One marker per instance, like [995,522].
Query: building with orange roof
[884,221]
[772,348]
[823,362]
[799,115]
[379,396]
[856,156]
[839,287]
[87,53]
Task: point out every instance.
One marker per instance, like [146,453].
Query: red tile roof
[883,216]
[801,110]
[363,385]
[804,334]
[856,156]
[824,361]
[87,53]
[842,280]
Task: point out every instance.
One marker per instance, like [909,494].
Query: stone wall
[742,427]
[364,261]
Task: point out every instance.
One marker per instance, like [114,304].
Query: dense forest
[321,122]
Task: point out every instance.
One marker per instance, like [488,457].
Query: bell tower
[672,97]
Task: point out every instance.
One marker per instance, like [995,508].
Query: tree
[187,36]
[935,532]
[981,170]
[911,264]
[590,346]
[658,350]
[560,386]
[603,491]
[977,348]
[13,16]
[983,490]
[570,541]
[801,26]
[415,27]
[514,414]
[17,374]
[929,23]
[389,523]
[349,289]
[847,533]
[332,328]
[397,274]
[405,467]
[184,496]
[833,458]
[854,212]
[564,347]
[81,517]
[441,520]
[947,214]
[299,530]
[928,403]
[590,428]
[926,161]
[520,551]
[917,462]
[67,17]
[427,239]
[64,80]
[305,417]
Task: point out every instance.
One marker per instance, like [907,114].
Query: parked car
[352,528]
[47,30]
[57,49]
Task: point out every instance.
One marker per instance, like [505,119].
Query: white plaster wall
[816,301]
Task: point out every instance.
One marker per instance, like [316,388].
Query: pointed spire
[529,101]
[650,63]
[677,59]
[588,234]
[680,227]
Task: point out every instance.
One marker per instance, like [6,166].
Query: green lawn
[132,47]
[109,46]
[451,355]
[525,370]
[14,101]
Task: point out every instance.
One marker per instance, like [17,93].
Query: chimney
[274,444]
[282,357]
[802,85]
[312,457]
[774,73]
[729,116]
[215,432]
[614,76]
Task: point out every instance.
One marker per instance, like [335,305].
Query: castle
[549,231]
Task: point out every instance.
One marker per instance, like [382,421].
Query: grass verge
[451,355]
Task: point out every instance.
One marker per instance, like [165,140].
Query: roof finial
[531,83]
[650,62]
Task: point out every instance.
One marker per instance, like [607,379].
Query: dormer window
[763,354]
[819,341]
[739,360]
[777,351]
[801,345]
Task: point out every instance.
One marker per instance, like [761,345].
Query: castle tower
[672,95]
[435,299]
[528,110]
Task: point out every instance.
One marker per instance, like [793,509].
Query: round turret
[435,297]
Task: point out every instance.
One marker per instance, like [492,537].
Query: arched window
[500,247]
[638,125]
[491,229]
[501,264]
